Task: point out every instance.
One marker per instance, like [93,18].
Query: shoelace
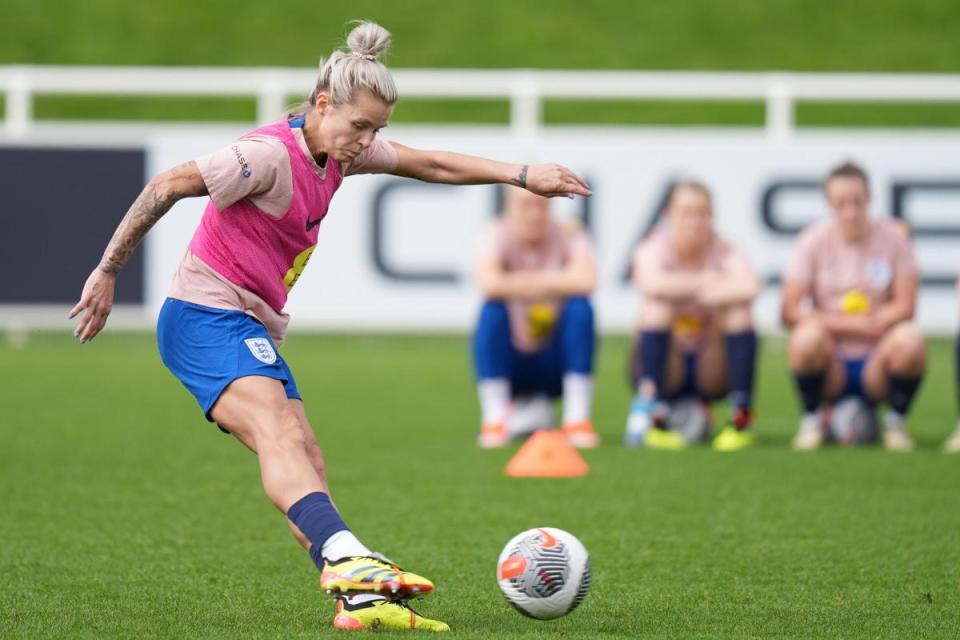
[406,605]
[376,555]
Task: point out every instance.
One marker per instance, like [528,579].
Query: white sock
[343,544]
[577,397]
[494,394]
[893,420]
[810,422]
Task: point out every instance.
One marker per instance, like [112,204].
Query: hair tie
[365,56]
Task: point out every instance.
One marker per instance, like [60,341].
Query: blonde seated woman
[849,294]
[695,338]
[535,334]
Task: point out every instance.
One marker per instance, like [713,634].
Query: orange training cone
[547,454]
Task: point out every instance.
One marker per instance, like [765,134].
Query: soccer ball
[544,573]
[690,419]
[852,421]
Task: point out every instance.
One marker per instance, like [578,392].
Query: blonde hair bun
[368,39]
[346,72]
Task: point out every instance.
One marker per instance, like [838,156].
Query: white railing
[525,89]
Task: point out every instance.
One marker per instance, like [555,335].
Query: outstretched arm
[454,168]
[160,194]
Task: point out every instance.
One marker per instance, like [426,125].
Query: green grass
[124,514]
[792,35]
[788,35]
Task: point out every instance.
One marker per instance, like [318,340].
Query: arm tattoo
[149,207]
[521,180]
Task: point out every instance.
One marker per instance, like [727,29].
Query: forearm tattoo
[149,207]
[521,180]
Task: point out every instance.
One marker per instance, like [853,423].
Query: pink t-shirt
[691,320]
[532,321]
[850,277]
[268,186]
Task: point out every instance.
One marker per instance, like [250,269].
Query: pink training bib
[262,253]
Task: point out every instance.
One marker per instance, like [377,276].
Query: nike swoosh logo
[312,223]
[549,542]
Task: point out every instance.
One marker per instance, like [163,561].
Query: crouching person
[695,340]
[535,335]
[853,345]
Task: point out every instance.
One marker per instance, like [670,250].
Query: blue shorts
[853,386]
[207,349]
[539,372]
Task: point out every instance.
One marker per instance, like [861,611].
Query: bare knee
[656,314]
[809,346]
[906,349]
[737,319]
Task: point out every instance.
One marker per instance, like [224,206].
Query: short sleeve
[904,260]
[800,267]
[379,157]
[580,244]
[489,243]
[647,257]
[250,166]
[736,259]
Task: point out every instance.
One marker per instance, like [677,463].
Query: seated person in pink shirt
[854,338]
[535,333]
[696,337]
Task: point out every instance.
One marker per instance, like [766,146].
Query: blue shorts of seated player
[207,349]
[853,386]
[569,350]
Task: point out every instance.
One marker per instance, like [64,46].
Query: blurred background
[747,96]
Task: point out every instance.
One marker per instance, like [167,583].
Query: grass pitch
[124,514]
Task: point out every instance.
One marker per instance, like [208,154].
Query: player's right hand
[96,301]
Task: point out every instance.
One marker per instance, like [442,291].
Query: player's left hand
[552,180]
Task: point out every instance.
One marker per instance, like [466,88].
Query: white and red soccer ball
[544,573]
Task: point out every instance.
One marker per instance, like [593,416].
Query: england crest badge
[262,350]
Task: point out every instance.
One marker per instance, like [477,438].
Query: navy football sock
[654,349]
[902,391]
[810,386]
[315,516]
[742,356]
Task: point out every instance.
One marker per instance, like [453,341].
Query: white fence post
[19,104]
[526,107]
[779,109]
[271,101]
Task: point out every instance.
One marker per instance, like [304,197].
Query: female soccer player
[856,338]
[696,336]
[219,330]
